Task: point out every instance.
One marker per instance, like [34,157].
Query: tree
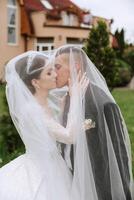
[129,58]
[123,74]
[120,37]
[97,48]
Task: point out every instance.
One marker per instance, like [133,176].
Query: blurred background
[104,29]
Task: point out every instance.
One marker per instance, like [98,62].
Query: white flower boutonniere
[88,123]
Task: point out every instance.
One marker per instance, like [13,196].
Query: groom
[111,111]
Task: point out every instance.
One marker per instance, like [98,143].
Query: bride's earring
[37,86]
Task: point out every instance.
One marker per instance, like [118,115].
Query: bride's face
[47,79]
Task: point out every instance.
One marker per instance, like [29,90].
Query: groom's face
[62,70]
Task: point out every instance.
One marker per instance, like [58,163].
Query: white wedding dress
[36,174]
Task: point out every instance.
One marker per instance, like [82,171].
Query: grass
[125,99]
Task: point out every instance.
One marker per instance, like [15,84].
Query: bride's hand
[81,83]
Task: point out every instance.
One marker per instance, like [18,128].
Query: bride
[41,173]
[37,109]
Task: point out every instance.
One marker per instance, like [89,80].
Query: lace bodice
[58,132]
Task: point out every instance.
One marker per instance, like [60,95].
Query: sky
[122,11]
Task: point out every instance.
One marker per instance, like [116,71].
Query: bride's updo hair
[33,72]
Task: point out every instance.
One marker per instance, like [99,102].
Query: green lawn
[125,99]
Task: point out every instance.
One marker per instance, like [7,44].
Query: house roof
[33,5]
[37,5]
[57,7]
[64,4]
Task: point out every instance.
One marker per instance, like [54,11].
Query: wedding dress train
[38,175]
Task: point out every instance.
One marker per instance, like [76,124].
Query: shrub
[11,145]
[123,73]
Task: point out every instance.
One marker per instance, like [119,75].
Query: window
[65,18]
[47,4]
[12,2]
[75,41]
[12,21]
[72,18]
[44,44]
[68,18]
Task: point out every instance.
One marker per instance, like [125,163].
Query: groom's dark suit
[98,151]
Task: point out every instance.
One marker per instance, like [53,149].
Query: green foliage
[97,48]
[11,145]
[2,104]
[123,73]
[119,35]
[126,53]
[125,99]
[129,57]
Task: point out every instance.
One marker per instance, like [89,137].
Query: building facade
[41,25]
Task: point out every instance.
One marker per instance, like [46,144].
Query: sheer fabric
[101,158]
[100,151]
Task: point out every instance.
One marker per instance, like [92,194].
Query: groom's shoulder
[96,93]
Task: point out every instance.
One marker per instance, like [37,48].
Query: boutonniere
[88,123]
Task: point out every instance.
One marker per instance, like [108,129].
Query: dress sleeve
[66,134]
[69,133]
[55,129]
[60,133]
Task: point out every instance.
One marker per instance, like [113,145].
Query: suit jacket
[98,153]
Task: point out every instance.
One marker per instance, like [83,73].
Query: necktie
[64,121]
